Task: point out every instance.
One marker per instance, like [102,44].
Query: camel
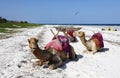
[94,44]
[44,55]
[62,54]
[68,31]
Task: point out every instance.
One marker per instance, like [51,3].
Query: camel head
[33,44]
[79,33]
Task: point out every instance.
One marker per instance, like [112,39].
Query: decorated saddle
[70,32]
[99,37]
[61,43]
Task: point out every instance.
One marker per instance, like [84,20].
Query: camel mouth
[33,49]
[74,33]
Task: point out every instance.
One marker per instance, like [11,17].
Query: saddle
[98,38]
[61,43]
[70,32]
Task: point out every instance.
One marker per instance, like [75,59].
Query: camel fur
[92,45]
[44,55]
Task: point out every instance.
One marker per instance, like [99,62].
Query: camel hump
[99,37]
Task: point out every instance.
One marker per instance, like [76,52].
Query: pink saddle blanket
[54,44]
[62,43]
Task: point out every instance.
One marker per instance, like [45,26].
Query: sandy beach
[15,56]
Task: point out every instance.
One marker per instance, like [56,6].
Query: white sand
[15,56]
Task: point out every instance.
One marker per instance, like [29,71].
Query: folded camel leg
[58,63]
[37,62]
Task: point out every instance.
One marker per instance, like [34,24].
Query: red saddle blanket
[99,37]
[70,32]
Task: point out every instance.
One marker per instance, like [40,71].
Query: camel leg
[38,63]
[46,63]
[68,55]
[73,55]
[94,49]
[58,63]
[54,51]
[86,51]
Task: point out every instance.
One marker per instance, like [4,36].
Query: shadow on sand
[67,61]
[104,49]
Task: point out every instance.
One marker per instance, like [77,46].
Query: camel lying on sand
[50,55]
[61,53]
[94,44]
[44,55]
[68,31]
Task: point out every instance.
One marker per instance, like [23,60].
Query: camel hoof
[37,63]
[93,53]
[85,51]
[52,67]
[46,63]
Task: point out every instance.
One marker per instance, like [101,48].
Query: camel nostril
[33,48]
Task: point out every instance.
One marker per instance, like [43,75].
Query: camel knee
[73,55]
[57,63]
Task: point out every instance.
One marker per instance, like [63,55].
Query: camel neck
[37,52]
[83,40]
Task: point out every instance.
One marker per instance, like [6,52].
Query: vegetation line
[4,23]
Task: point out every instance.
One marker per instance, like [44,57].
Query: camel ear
[36,40]
[28,40]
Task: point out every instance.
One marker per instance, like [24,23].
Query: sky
[62,11]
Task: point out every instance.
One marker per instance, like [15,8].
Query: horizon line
[74,24]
